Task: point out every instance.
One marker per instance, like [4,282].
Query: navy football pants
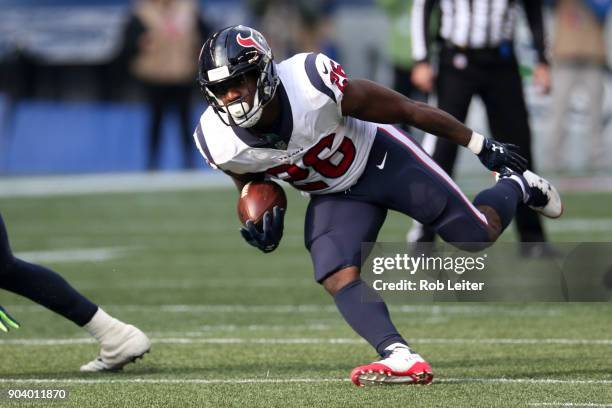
[399,176]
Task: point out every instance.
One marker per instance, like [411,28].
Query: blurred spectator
[296,26]
[579,58]
[162,42]
[400,47]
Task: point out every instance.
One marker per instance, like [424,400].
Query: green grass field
[233,327]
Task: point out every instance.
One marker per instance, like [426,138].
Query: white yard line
[213,381]
[207,328]
[601,342]
[73,255]
[168,381]
[524,381]
[312,340]
[203,283]
[484,309]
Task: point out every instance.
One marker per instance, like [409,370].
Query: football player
[120,343]
[305,122]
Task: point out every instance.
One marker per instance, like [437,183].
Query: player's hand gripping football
[496,155]
[268,239]
[6,321]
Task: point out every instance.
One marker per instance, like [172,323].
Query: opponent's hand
[6,321]
[496,155]
[269,238]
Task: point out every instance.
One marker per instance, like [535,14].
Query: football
[257,197]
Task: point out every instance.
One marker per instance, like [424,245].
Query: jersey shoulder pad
[315,76]
[326,75]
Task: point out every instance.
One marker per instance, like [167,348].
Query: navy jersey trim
[203,145]
[285,128]
[310,64]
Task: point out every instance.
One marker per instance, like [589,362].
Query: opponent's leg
[42,285]
[120,343]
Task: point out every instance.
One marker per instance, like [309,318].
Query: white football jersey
[316,150]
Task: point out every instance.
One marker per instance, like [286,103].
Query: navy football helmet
[233,54]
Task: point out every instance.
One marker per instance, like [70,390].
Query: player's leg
[120,343]
[508,120]
[502,202]
[414,184]
[335,228]
[42,285]
[417,186]
[334,239]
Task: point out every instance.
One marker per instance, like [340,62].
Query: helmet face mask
[231,58]
[237,112]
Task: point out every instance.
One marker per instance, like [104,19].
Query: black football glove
[495,156]
[269,238]
[7,322]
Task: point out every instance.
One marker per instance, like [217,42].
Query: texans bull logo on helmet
[255,40]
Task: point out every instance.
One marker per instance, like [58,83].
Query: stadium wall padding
[58,137]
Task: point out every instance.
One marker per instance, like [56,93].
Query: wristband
[476,142]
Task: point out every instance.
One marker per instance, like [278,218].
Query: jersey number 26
[325,167]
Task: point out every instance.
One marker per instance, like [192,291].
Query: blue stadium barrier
[51,137]
[4,127]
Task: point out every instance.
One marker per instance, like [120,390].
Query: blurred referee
[477,58]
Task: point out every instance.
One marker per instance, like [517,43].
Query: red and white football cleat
[399,365]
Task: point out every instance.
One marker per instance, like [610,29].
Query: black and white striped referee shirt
[475,24]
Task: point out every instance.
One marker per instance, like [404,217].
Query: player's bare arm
[367,100]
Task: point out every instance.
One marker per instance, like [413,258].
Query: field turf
[233,327]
